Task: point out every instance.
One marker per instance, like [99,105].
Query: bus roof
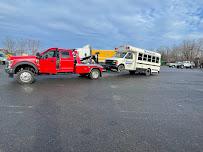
[134,49]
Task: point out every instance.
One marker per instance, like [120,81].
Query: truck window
[149,58]
[65,54]
[140,56]
[129,56]
[120,54]
[49,54]
[153,59]
[145,57]
[157,59]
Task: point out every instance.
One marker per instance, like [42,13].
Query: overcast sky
[105,24]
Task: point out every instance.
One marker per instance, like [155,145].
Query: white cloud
[145,23]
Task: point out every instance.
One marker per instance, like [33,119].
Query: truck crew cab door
[130,61]
[48,61]
[66,61]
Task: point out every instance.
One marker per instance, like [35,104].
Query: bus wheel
[148,72]
[121,68]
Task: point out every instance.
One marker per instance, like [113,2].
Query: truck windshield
[120,54]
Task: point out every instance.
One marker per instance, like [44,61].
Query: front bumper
[9,71]
[107,66]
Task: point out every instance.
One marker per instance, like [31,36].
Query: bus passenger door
[130,61]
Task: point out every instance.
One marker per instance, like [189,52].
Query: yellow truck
[87,50]
[104,54]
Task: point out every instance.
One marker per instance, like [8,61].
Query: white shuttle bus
[134,60]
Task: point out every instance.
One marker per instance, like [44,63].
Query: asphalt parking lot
[117,113]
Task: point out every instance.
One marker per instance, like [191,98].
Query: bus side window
[145,57]
[149,58]
[153,59]
[140,56]
[157,59]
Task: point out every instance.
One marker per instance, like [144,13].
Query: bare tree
[191,50]
[33,46]
[9,44]
[21,46]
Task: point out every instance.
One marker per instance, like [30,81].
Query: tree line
[21,46]
[188,50]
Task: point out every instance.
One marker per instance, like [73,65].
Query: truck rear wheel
[25,77]
[94,74]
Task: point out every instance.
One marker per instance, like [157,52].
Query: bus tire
[121,68]
[148,72]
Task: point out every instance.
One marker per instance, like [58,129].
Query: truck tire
[94,74]
[121,68]
[25,77]
[148,72]
[182,66]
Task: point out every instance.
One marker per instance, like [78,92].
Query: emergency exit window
[157,59]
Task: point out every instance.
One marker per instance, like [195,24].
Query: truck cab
[121,61]
[52,61]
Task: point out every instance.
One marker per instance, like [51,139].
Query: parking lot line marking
[18,112]
[15,106]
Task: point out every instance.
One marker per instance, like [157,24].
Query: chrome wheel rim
[25,77]
[121,68]
[95,74]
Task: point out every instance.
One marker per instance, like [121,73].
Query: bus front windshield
[120,54]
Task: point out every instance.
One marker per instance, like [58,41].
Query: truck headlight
[115,62]
[10,62]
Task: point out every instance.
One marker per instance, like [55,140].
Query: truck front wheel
[121,68]
[25,77]
[94,74]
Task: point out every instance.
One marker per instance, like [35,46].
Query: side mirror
[38,55]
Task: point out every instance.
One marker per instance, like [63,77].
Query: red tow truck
[52,61]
